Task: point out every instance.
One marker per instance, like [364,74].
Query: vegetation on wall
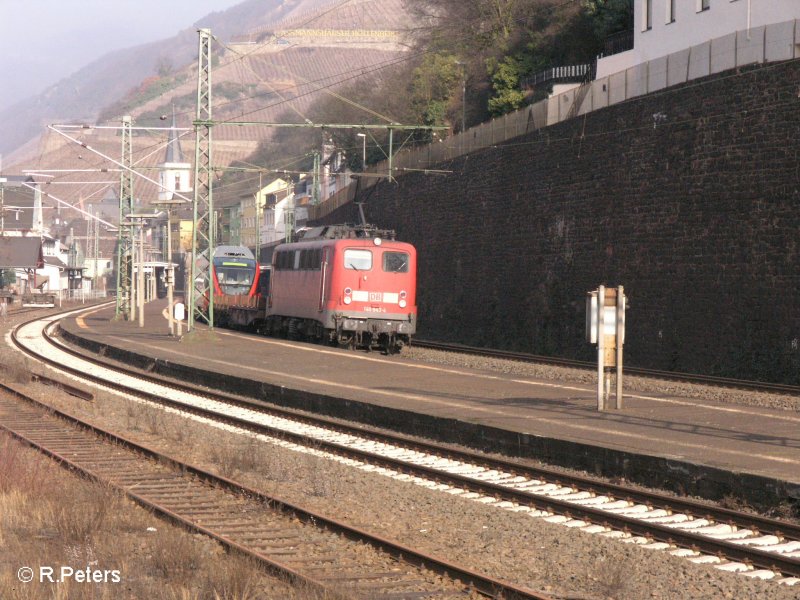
[469,62]
[501,42]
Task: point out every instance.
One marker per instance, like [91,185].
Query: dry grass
[81,520]
[238,456]
[175,557]
[154,564]
[256,460]
[142,417]
[615,578]
[16,370]
[49,517]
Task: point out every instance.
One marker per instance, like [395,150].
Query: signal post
[605,326]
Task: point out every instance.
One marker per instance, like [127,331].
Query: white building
[283,215]
[20,207]
[664,27]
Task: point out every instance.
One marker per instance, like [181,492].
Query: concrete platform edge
[654,471]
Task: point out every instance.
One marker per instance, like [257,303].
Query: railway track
[755,386]
[732,540]
[14,312]
[320,552]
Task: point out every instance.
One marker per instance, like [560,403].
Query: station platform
[714,450]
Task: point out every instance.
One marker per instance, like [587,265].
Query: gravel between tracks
[566,563]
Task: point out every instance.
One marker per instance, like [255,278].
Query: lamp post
[463,101]
[363,137]
[168,204]
[463,66]
[140,278]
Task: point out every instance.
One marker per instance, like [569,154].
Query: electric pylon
[201,298]
[125,232]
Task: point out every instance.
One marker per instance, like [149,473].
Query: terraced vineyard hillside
[294,62]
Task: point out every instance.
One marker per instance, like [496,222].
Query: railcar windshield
[358,260]
[235,276]
[395,262]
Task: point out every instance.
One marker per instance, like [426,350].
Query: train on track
[347,285]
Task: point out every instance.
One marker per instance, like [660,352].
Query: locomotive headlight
[403,294]
[402,303]
[347,299]
[377,241]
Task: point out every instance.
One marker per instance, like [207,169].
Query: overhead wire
[553,7]
[362,72]
[160,145]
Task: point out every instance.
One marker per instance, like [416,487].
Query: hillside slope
[264,81]
[81,96]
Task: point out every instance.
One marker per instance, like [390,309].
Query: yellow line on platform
[81,323]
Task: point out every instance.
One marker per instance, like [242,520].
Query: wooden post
[620,334]
[601,358]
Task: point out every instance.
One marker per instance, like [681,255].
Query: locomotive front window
[395,262]
[358,260]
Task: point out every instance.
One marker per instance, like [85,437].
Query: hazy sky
[43,41]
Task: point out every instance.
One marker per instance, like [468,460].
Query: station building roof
[21,253]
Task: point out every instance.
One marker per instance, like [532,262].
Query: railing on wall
[619,42]
[770,43]
[569,73]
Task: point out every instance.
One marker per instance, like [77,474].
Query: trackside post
[605,326]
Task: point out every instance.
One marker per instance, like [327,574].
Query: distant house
[335,174]
[24,256]
[20,207]
[229,222]
[282,212]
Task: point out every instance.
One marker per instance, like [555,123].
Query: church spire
[175,171]
[174,153]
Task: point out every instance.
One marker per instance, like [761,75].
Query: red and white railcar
[240,287]
[351,285]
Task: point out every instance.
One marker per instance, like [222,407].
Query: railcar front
[237,300]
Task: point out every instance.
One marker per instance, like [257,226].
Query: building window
[647,15]
[177,183]
[703,5]
[670,11]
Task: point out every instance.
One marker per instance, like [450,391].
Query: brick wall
[695,211]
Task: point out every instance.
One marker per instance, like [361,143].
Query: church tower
[175,172]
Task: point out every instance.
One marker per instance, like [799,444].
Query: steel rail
[695,508]
[786,565]
[488,586]
[756,386]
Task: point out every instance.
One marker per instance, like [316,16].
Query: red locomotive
[354,286]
